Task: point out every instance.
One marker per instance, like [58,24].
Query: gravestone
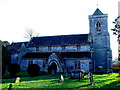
[61,78]
[77,74]
[17,79]
[80,74]
[91,78]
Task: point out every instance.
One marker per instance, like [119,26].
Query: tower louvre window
[98,26]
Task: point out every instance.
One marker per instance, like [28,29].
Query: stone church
[68,52]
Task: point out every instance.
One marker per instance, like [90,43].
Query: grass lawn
[111,80]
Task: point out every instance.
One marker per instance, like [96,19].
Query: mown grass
[111,80]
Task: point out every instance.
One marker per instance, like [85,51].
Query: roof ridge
[60,35]
[74,39]
[20,42]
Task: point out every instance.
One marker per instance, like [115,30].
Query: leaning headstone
[10,87]
[17,80]
[61,78]
[91,79]
[80,74]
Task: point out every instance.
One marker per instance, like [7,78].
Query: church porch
[59,61]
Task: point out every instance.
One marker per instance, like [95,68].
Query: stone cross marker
[91,78]
[17,79]
[61,78]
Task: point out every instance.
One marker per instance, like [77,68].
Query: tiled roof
[97,12]
[36,55]
[76,55]
[59,40]
[60,55]
[14,47]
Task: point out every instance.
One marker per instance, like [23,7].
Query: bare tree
[116,31]
[30,33]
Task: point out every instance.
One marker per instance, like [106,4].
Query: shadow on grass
[41,77]
[54,80]
[97,82]
[82,86]
[113,85]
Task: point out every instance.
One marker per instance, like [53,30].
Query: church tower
[100,42]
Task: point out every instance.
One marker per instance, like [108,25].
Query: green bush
[13,69]
[3,69]
[33,70]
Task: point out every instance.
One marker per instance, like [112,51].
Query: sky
[53,17]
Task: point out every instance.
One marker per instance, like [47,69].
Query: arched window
[98,26]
